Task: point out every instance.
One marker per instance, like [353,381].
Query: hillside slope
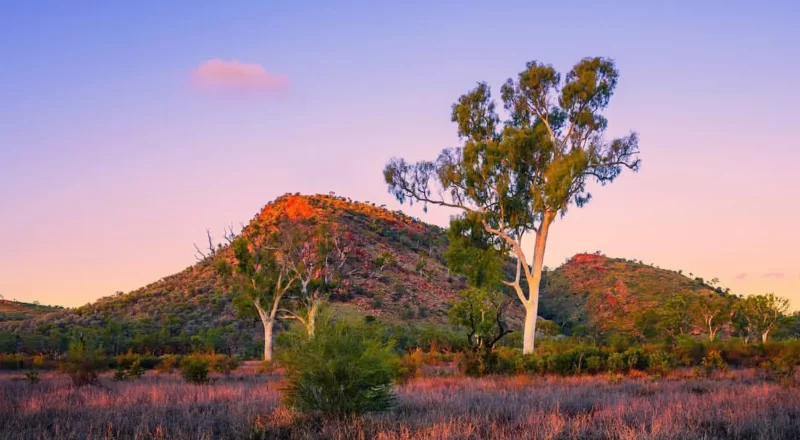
[607,294]
[192,309]
[415,288]
[18,311]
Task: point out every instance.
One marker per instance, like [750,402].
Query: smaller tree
[714,312]
[316,254]
[259,275]
[676,317]
[481,311]
[760,314]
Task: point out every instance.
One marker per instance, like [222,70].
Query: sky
[129,128]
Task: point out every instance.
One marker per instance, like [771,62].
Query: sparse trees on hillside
[759,315]
[714,311]
[520,176]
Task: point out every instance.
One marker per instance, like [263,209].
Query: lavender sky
[128,129]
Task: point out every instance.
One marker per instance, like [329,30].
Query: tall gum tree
[519,176]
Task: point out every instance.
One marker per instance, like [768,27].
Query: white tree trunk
[764,336]
[529,334]
[267,339]
[534,282]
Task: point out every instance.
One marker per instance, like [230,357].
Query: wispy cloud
[776,275]
[237,78]
[741,276]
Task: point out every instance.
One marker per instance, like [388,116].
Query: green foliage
[194,369]
[410,366]
[83,364]
[481,312]
[132,371]
[167,364]
[223,364]
[713,362]
[341,370]
[659,364]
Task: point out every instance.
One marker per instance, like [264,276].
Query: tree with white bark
[317,254]
[759,315]
[260,276]
[519,177]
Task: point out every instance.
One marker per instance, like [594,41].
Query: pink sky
[127,130]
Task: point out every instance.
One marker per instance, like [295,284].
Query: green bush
[167,363]
[713,361]
[635,359]
[410,365]
[195,369]
[615,363]
[341,370]
[223,364]
[83,365]
[132,371]
[659,364]
[594,364]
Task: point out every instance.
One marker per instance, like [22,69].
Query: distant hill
[413,286]
[606,294]
[18,311]
[191,308]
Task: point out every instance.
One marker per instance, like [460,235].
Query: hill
[398,276]
[18,311]
[401,277]
[604,295]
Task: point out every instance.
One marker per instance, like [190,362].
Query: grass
[244,405]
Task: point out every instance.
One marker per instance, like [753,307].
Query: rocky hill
[399,276]
[605,294]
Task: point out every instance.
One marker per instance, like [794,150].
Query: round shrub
[83,365]
[341,370]
[195,369]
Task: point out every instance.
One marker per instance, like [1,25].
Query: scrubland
[738,404]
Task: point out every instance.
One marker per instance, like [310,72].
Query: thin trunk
[764,336]
[267,340]
[532,304]
[312,317]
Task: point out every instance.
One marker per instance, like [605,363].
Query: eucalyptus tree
[520,175]
[317,253]
[259,275]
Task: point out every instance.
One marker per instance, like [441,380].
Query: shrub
[561,363]
[132,371]
[410,366]
[223,364]
[195,369]
[167,363]
[83,364]
[32,377]
[615,363]
[594,364]
[658,364]
[533,364]
[779,370]
[341,370]
[635,359]
[713,361]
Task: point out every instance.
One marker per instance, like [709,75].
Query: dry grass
[737,405]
